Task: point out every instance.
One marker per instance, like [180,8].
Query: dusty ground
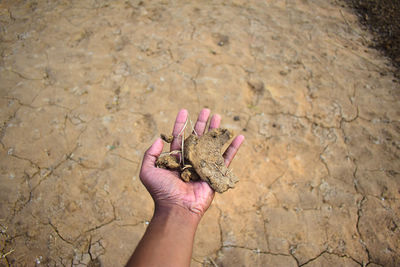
[86,86]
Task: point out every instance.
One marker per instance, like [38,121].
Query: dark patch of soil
[382,17]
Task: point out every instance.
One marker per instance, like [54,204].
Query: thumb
[151,155]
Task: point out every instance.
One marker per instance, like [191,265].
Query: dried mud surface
[85,86]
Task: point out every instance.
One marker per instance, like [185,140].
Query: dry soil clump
[202,159]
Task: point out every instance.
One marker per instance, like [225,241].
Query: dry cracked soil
[86,86]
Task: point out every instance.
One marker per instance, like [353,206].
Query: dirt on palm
[203,160]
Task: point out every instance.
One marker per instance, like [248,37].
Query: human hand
[165,186]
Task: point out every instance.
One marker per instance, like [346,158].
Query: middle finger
[202,121]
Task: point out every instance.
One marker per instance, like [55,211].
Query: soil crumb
[168,162]
[167,138]
[203,160]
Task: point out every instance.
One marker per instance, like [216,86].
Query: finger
[202,121]
[151,155]
[233,148]
[215,122]
[178,126]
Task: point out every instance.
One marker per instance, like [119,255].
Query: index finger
[178,126]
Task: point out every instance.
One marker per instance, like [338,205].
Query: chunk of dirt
[167,138]
[189,174]
[168,162]
[204,160]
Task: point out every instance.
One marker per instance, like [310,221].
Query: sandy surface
[86,86]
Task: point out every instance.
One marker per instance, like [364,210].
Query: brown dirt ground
[86,86]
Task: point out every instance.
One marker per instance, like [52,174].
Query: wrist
[176,213]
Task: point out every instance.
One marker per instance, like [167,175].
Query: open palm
[165,186]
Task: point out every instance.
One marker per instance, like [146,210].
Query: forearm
[168,240]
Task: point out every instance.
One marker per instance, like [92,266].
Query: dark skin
[179,206]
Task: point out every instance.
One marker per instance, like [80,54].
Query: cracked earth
[86,86]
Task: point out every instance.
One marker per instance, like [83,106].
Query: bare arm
[168,240]
[179,206]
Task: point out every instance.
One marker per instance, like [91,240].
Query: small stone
[283,73]
[71,206]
